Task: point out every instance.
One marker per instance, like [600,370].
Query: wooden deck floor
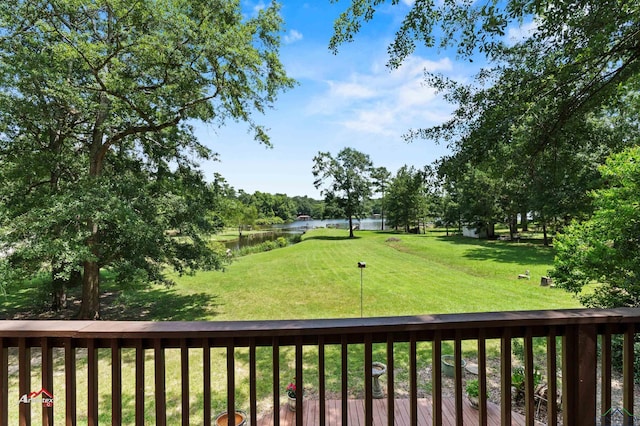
[356,413]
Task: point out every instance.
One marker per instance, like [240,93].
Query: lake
[297,227]
[368,224]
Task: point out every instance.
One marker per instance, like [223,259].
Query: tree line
[548,126]
[99,162]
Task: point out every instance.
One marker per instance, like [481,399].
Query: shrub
[473,389]
[518,377]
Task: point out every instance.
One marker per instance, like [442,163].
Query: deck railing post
[579,382]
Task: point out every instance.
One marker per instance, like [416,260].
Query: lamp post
[361,266]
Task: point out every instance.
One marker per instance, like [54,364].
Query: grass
[418,274]
[317,278]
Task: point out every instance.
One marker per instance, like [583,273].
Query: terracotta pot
[223,419]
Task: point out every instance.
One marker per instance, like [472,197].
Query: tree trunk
[58,290]
[491,230]
[350,227]
[524,220]
[90,308]
[544,233]
[513,227]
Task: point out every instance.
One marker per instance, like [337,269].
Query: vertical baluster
[605,378]
[184,380]
[140,358]
[276,380]
[4,384]
[160,383]
[413,378]
[299,383]
[231,383]
[47,380]
[321,382]
[505,376]
[391,398]
[92,382]
[70,382]
[253,383]
[529,367]
[482,378]
[569,373]
[24,380]
[116,382]
[457,377]
[368,382]
[552,379]
[436,377]
[628,373]
[206,379]
[345,389]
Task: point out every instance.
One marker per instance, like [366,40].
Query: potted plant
[291,396]
[473,392]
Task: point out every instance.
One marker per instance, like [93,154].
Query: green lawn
[418,274]
[317,278]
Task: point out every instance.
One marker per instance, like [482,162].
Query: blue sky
[346,100]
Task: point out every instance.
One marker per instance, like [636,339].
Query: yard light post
[361,266]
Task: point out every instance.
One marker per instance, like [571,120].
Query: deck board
[401,413]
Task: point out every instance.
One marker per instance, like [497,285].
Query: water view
[299,227]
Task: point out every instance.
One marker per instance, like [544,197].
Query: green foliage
[528,134]
[406,199]
[518,379]
[472,387]
[279,242]
[604,249]
[344,181]
[268,221]
[96,153]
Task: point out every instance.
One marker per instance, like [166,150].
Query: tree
[380,176]
[604,249]
[406,199]
[345,180]
[534,106]
[96,102]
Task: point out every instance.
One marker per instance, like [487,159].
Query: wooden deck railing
[577,345]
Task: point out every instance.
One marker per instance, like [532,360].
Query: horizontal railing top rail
[571,363]
[449,326]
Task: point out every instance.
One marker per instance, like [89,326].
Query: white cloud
[517,34]
[292,36]
[254,6]
[384,102]
[350,90]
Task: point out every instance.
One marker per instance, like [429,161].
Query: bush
[473,389]
[517,380]
[279,242]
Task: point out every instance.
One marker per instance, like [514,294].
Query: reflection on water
[300,226]
[304,225]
